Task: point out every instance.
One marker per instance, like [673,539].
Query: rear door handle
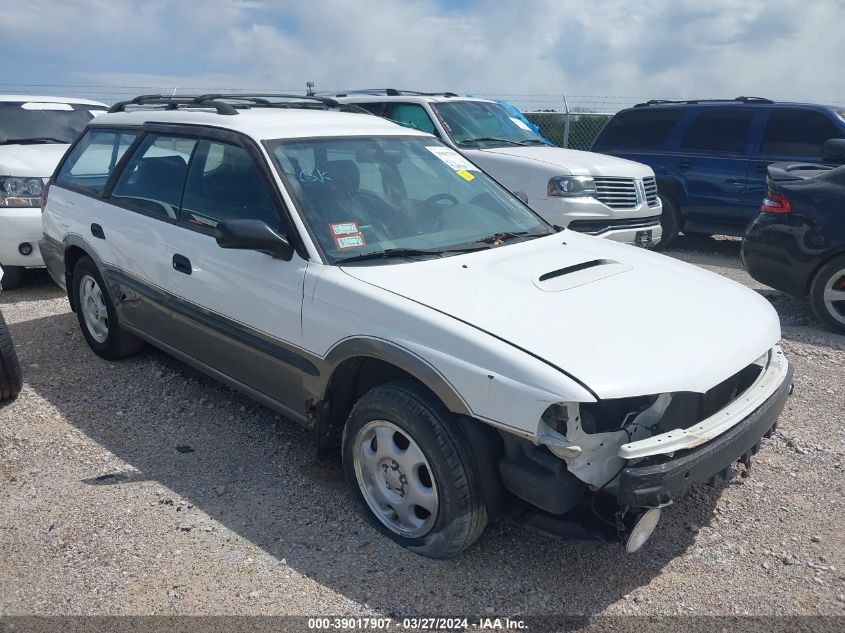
[182,264]
[97,231]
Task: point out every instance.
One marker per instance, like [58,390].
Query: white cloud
[781,48]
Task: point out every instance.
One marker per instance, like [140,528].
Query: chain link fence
[572,121]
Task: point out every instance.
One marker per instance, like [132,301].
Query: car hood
[37,161]
[573,162]
[623,321]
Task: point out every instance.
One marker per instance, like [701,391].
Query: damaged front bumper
[707,450]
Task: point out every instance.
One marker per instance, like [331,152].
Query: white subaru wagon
[468,361]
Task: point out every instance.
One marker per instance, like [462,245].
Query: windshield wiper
[490,139]
[388,253]
[33,140]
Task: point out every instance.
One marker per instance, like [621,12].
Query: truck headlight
[20,192]
[572,187]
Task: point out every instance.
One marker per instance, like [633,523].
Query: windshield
[42,122]
[398,196]
[479,123]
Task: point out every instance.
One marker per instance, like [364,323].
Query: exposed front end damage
[629,456]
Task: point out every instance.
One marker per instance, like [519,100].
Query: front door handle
[182,264]
[97,231]
[684,164]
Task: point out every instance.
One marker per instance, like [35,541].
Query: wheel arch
[75,248]
[356,365]
[833,254]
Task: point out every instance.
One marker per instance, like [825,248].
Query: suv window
[92,160]
[153,178]
[798,133]
[647,127]
[224,184]
[719,131]
[411,115]
[44,122]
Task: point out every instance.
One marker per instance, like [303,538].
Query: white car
[468,360]
[586,192]
[35,132]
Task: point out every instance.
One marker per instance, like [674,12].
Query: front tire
[97,315]
[11,381]
[412,472]
[827,294]
[670,222]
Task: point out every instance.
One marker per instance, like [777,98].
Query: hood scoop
[578,274]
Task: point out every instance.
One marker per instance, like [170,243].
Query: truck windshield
[483,124]
[394,197]
[42,122]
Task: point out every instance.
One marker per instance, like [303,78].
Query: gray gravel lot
[101,514]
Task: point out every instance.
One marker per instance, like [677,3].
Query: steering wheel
[446,197]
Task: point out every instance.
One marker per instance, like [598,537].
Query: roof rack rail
[393,92]
[652,102]
[173,103]
[266,99]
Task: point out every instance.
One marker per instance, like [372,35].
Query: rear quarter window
[93,159]
[641,128]
[796,132]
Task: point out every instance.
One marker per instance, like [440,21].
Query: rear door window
[719,131]
[795,132]
[153,178]
[225,184]
[640,128]
[93,159]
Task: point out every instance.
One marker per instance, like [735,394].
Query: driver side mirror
[253,235]
[833,150]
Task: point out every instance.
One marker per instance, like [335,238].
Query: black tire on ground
[670,221]
[11,381]
[118,343]
[832,274]
[461,514]
[11,277]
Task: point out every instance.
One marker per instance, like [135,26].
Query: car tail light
[44,196]
[775,202]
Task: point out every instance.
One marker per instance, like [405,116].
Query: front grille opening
[650,187]
[617,193]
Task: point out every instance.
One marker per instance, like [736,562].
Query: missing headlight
[611,415]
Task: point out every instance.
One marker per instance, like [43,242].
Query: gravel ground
[101,513]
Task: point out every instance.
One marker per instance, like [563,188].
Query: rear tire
[11,277]
[97,315]
[670,222]
[11,381]
[825,292]
[411,470]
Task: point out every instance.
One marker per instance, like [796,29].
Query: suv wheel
[412,472]
[97,316]
[11,277]
[827,294]
[670,222]
[10,370]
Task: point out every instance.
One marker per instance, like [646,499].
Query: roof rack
[652,102]
[222,103]
[393,92]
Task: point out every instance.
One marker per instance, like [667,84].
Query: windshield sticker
[520,123]
[451,158]
[463,173]
[349,241]
[344,228]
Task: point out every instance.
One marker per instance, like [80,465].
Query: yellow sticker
[463,173]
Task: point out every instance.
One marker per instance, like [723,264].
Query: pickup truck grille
[617,193]
[650,186]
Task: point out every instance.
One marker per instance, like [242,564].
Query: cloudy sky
[789,49]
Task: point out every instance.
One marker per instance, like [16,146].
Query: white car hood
[639,323]
[36,161]
[572,161]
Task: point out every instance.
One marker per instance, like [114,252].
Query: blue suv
[710,157]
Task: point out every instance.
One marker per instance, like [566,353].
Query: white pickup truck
[586,192]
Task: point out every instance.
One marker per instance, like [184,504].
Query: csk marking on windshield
[313,175]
